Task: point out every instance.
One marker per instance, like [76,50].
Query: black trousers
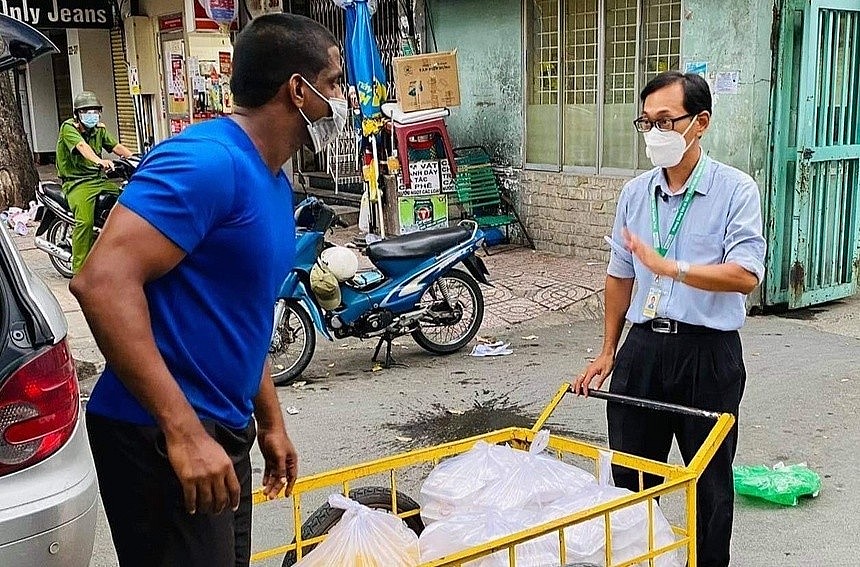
[705,371]
[143,499]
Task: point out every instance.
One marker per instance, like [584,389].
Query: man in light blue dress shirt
[687,248]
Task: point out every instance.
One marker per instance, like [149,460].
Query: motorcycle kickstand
[389,361]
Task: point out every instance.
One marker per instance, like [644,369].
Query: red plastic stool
[405,131]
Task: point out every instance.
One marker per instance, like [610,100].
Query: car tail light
[39,407]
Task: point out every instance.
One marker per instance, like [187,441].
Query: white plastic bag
[586,541]
[364,538]
[454,482]
[18,219]
[364,213]
[467,529]
[535,480]
[500,478]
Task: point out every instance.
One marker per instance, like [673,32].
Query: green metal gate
[814,206]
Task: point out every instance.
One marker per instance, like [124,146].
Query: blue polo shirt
[723,224]
[209,191]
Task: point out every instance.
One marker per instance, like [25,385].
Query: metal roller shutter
[124,104]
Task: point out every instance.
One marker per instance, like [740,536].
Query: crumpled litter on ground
[18,219]
[498,348]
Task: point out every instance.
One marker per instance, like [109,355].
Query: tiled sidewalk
[529,284]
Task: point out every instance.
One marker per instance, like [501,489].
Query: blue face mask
[90,120]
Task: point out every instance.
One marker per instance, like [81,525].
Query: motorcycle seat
[418,244]
[54,191]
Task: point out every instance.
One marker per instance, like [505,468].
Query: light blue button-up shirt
[723,224]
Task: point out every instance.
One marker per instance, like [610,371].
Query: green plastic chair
[479,194]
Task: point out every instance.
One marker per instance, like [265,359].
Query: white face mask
[666,149]
[325,130]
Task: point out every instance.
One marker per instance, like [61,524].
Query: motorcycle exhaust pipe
[52,249]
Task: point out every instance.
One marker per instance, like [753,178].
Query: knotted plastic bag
[534,480]
[780,484]
[454,482]
[467,529]
[364,538]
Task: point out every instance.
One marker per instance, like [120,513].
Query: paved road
[800,405]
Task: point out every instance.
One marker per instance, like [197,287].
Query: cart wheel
[376,497]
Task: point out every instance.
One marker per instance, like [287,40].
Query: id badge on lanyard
[652,300]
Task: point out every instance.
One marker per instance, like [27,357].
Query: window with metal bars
[587,61]
[385,22]
[545,53]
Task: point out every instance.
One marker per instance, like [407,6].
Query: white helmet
[340,261]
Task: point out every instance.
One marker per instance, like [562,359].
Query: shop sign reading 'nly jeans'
[60,13]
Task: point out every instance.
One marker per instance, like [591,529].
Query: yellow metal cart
[677,480]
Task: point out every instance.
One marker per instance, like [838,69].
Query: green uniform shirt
[71,165]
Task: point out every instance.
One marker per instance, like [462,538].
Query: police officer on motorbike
[80,167]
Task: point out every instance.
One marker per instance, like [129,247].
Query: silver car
[48,488]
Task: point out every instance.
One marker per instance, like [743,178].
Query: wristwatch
[683,269]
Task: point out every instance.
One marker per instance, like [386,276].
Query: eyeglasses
[663,124]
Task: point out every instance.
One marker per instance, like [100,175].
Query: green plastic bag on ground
[781,484]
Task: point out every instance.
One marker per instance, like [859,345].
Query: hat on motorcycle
[326,288]
[86,99]
[341,261]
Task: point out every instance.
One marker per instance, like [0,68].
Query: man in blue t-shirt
[179,293]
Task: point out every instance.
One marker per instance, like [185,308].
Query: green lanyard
[679,216]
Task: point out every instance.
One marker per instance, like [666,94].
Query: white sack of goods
[364,538]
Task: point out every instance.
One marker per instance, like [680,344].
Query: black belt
[672,327]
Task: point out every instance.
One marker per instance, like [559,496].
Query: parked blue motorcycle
[414,289]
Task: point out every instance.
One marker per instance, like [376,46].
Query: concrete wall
[42,95]
[488,39]
[91,68]
[154,9]
[735,37]
[157,8]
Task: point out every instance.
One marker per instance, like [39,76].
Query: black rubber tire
[436,348]
[52,236]
[289,375]
[376,497]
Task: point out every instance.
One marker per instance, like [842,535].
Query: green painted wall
[735,35]
[488,39]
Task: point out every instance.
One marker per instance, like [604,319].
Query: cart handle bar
[651,404]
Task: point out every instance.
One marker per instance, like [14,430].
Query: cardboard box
[427,81]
